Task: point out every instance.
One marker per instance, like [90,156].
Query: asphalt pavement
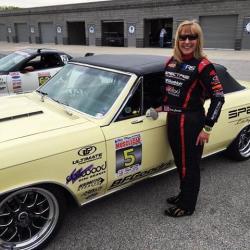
[133,219]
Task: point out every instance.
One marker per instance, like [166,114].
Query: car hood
[24,115]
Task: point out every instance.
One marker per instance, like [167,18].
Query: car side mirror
[27,69]
[151,112]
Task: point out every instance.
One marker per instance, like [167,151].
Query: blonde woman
[190,78]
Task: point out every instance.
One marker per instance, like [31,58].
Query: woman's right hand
[158,109]
[202,138]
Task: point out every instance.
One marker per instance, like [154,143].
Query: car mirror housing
[151,112]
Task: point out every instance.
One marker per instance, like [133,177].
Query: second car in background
[26,70]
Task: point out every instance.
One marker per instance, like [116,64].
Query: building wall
[132,12]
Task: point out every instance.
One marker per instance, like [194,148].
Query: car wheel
[30,217]
[240,147]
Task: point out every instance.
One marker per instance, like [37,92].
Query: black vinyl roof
[229,84]
[148,64]
[138,64]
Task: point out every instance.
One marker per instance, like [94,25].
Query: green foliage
[3,8]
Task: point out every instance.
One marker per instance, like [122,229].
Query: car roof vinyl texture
[148,64]
[138,64]
[229,84]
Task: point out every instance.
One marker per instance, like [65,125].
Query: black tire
[30,217]
[239,149]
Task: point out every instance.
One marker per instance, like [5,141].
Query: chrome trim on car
[98,67]
[127,98]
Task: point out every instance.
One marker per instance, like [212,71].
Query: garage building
[226,23]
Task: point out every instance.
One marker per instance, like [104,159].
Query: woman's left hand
[202,138]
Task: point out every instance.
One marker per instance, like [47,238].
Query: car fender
[3,85]
[76,161]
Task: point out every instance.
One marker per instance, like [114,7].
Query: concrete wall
[132,12]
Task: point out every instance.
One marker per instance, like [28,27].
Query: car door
[32,80]
[136,145]
[34,72]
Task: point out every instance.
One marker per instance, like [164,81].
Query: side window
[149,93]
[44,61]
[133,107]
[153,86]
[50,61]
[35,60]
[33,64]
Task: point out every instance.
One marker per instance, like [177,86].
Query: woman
[190,78]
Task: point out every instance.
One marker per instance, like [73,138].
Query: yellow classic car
[92,130]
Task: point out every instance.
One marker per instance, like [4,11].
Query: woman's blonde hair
[195,29]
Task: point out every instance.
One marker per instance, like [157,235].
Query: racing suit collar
[187,57]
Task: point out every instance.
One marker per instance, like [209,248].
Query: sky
[38,3]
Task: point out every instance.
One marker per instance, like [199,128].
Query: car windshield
[7,62]
[89,90]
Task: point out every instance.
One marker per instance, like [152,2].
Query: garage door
[113,33]
[246,34]
[47,33]
[2,32]
[219,31]
[22,32]
[76,33]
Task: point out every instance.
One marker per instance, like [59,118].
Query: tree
[4,8]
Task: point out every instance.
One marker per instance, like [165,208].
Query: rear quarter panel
[235,115]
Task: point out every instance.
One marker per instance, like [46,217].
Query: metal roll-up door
[2,32]
[22,32]
[76,33]
[47,33]
[113,33]
[219,31]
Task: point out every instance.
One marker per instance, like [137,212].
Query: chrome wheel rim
[244,142]
[27,218]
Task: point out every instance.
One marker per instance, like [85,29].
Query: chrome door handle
[137,121]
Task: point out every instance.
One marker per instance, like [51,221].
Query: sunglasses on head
[190,37]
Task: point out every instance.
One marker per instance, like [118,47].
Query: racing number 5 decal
[128,154]
[129,157]
[43,77]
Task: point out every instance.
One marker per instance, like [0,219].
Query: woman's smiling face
[187,41]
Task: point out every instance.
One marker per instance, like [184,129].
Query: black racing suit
[187,85]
